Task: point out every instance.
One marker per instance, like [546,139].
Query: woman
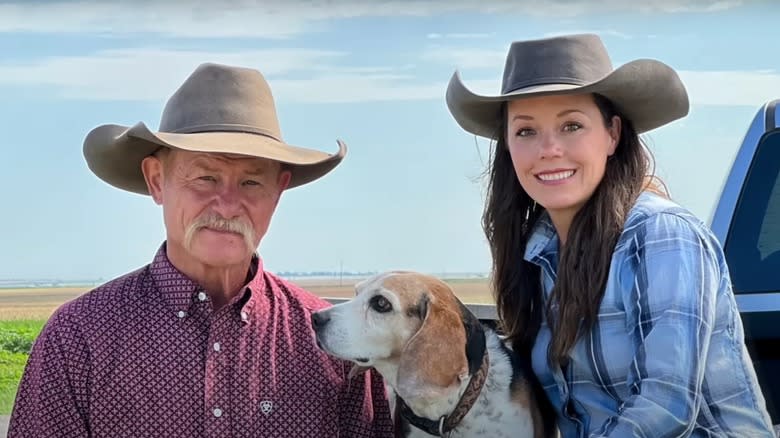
[621,298]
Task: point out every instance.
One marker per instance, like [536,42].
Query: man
[202,341]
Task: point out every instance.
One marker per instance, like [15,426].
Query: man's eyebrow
[257,170]
[203,164]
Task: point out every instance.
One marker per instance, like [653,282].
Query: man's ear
[285,175]
[152,168]
[283,181]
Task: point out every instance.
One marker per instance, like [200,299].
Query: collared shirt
[146,356]
[666,356]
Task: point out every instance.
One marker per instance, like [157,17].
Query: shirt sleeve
[51,397]
[364,409]
[670,311]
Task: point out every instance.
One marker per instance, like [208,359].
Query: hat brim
[646,91]
[114,153]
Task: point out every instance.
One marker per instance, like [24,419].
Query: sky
[408,195]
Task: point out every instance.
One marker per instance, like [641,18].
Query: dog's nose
[318,320]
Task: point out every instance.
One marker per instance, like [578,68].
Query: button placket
[218,369]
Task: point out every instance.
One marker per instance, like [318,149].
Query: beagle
[448,374]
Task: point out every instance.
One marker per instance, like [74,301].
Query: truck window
[753,242]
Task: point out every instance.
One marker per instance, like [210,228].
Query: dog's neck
[433,406]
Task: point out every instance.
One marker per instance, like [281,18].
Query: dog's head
[409,321]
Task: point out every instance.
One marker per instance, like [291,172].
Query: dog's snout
[319,319]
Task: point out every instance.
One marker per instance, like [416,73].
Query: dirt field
[39,303]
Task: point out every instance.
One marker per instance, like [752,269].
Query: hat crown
[217,97]
[570,59]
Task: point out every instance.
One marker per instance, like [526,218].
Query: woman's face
[559,147]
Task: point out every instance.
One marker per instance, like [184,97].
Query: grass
[16,339]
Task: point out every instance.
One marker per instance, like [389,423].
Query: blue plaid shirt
[666,356]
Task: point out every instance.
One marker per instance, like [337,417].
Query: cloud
[603,33]
[284,19]
[320,76]
[466,58]
[149,74]
[436,36]
[731,87]
[296,75]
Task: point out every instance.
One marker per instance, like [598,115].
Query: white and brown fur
[426,347]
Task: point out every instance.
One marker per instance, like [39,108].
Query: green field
[16,338]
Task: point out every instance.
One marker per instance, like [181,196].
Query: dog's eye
[380,304]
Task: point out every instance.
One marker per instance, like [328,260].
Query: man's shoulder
[108,295]
[298,294]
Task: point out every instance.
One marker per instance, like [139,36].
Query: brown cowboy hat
[646,91]
[218,108]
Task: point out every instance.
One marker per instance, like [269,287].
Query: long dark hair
[509,218]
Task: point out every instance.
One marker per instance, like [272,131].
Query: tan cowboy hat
[646,91]
[218,108]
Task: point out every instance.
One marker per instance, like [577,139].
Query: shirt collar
[180,291]
[543,243]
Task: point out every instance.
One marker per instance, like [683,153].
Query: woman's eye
[207,178]
[525,132]
[571,127]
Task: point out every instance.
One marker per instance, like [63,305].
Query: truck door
[752,248]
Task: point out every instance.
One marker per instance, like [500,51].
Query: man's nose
[228,202]
[319,319]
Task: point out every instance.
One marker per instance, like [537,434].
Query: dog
[447,373]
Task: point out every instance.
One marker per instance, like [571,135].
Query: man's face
[217,207]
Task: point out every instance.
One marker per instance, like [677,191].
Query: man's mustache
[216,222]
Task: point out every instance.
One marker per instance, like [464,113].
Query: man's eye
[380,304]
[208,178]
[250,182]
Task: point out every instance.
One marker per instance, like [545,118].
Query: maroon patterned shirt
[145,355]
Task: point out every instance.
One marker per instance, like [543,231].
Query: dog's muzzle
[319,320]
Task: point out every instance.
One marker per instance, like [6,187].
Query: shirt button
[217,412]
[244,316]
[202,296]
[217,347]
[181,314]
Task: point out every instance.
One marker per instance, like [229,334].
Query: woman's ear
[614,134]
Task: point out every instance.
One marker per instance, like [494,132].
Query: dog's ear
[434,360]
[475,338]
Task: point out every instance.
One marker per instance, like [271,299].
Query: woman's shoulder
[657,218]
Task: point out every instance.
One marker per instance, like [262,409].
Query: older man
[202,341]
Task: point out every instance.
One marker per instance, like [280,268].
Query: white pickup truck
[746,220]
